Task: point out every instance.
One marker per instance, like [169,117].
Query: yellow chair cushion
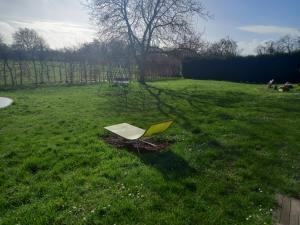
[157,128]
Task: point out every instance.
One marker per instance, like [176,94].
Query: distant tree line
[278,60]
[194,46]
[30,61]
[285,45]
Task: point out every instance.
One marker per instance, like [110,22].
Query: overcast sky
[66,22]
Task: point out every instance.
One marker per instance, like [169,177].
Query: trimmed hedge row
[254,69]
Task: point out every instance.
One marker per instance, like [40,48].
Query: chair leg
[148,143]
[137,146]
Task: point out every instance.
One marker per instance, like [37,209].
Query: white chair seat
[126,131]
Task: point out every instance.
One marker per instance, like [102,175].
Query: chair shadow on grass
[168,163]
[171,165]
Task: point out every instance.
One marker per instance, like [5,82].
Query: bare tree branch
[145,23]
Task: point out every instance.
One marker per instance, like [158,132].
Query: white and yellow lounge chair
[133,133]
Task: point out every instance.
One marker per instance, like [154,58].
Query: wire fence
[14,74]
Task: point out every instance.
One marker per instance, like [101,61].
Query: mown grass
[235,146]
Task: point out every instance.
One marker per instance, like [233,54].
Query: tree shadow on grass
[198,102]
[167,109]
[148,98]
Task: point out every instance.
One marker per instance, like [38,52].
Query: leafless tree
[286,44]
[192,45]
[2,56]
[224,47]
[1,39]
[28,41]
[261,50]
[145,23]
[298,43]
[269,48]
[2,46]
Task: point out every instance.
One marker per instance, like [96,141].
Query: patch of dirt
[154,147]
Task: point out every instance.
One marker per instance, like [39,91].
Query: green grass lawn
[235,146]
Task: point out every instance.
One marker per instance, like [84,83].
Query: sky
[65,23]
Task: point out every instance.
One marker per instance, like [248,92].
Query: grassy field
[235,146]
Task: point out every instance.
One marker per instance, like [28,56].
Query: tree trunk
[60,73]
[142,71]
[4,74]
[71,67]
[14,68]
[35,72]
[11,73]
[53,66]
[85,73]
[81,72]
[21,72]
[41,72]
[66,72]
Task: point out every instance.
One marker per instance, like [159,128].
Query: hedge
[254,69]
